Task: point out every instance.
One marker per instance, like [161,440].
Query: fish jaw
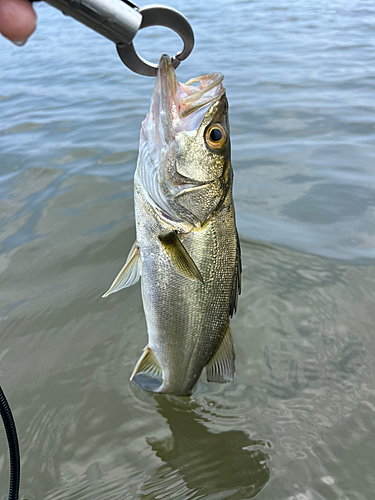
[158,126]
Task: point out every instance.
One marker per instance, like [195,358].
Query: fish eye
[216,136]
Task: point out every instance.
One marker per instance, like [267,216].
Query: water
[298,422]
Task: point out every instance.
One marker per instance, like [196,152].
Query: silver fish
[187,249]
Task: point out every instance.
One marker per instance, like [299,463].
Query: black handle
[14,451]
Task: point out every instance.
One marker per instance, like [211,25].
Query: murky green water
[298,422]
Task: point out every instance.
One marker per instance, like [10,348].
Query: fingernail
[19,43]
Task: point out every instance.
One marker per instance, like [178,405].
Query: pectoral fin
[180,257]
[129,274]
[220,368]
[147,372]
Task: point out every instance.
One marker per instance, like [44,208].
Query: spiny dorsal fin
[180,257]
[220,368]
[237,280]
[129,274]
[147,364]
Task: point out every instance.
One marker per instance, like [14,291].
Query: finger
[17,20]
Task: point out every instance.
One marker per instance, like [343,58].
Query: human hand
[17,20]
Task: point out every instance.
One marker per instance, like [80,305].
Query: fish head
[185,145]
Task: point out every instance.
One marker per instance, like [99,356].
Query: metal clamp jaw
[120,20]
[158,15]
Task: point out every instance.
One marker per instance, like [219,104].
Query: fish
[187,250]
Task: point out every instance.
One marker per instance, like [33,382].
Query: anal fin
[180,257]
[220,367]
[129,274]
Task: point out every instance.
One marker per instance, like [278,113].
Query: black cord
[14,452]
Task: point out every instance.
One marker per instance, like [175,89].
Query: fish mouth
[175,108]
[182,106]
[195,97]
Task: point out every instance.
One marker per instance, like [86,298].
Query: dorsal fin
[180,257]
[220,368]
[147,372]
[236,291]
[129,274]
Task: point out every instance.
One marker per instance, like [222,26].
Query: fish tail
[147,372]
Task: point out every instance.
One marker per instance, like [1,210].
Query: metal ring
[158,15]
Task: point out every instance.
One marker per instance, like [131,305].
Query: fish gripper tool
[120,20]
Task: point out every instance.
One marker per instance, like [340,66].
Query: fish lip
[163,110]
[167,85]
[166,73]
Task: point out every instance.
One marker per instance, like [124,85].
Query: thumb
[17,20]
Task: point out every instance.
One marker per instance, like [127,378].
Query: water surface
[298,422]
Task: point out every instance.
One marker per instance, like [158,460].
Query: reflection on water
[207,462]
